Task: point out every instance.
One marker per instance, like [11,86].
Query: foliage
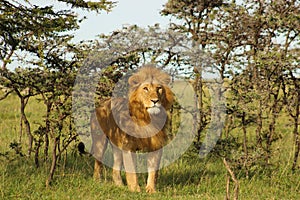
[256,45]
[37,38]
[252,45]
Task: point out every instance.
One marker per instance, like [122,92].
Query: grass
[10,119]
[188,178]
[184,179]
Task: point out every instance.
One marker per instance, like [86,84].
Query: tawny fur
[134,124]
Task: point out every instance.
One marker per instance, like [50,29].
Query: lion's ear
[134,80]
[165,79]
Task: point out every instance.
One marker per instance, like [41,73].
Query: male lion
[134,124]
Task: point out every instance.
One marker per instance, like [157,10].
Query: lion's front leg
[129,161]
[153,166]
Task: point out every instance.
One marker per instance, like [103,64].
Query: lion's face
[151,96]
[149,92]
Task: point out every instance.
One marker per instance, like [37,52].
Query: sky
[127,12]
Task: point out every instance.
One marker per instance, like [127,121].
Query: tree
[194,18]
[39,39]
[254,45]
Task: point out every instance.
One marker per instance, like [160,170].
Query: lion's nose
[154,100]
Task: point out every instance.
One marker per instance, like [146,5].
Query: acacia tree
[37,38]
[194,18]
[256,80]
[269,59]
[286,14]
[254,44]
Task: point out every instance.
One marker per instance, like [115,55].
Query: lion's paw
[134,188]
[150,189]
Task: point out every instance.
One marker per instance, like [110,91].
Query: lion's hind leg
[98,150]
[99,145]
[118,161]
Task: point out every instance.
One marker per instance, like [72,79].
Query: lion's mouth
[153,110]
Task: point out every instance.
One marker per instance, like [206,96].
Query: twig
[234,179]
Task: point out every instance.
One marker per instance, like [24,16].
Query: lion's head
[149,91]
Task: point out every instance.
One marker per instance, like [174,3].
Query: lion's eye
[145,89]
[159,89]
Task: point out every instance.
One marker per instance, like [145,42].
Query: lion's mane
[144,131]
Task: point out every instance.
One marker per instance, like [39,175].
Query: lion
[134,124]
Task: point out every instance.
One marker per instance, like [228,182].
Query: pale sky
[140,12]
[126,12]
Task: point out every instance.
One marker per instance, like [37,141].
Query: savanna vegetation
[253,47]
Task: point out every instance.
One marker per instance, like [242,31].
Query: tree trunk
[296,132]
[245,143]
[198,119]
[259,123]
[53,164]
[275,109]
[47,131]
[234,179]
[26,123]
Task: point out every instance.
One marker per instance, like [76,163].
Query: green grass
[184,179]
[10,119]
[188,178]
